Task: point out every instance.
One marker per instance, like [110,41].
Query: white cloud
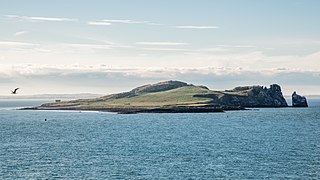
[164,49]
[108,45]
[101,78]
[124,21]
[40,19]
[197,27]
[237,46]
[120,21]
[64,69]
[97,23]
[214,49]
[19,33]
[118,55]
[164,43]
[90,46]
[16,43]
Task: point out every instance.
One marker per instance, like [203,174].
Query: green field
[183,96]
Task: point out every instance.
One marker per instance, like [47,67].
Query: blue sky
[109,46]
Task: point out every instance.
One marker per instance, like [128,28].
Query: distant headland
[180,97]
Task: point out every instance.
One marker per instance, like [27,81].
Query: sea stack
[299,101]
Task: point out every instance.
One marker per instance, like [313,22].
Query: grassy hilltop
[184,95]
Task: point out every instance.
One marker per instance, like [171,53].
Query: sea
[262,143]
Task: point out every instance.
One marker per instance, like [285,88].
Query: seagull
[14,91]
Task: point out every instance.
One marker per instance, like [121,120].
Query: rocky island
[299,101]
[176,97]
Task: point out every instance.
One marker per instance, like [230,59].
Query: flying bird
[14,91]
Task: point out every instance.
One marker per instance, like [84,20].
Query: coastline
[134,110]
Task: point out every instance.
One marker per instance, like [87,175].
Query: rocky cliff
[254,96]
[299,101]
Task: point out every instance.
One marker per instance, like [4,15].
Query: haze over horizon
[103,47]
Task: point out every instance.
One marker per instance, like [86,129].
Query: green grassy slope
[183,96]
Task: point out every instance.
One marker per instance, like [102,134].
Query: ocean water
[256,144]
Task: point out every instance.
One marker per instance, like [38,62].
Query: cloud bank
[105,80]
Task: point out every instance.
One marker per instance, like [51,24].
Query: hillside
[175,94]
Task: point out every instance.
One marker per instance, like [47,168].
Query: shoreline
[153,110]
[145,109]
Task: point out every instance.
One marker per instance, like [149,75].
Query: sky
[96,46]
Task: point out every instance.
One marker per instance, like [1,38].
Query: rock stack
[299,101]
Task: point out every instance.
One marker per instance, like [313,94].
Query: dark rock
[254,96]
[299,101]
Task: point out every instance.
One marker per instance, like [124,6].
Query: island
[299,101]
[176,97]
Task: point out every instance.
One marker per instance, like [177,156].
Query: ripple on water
[269,143]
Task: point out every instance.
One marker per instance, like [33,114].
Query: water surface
[261,143]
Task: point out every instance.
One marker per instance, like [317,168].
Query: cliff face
[254,96]
[299,101]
